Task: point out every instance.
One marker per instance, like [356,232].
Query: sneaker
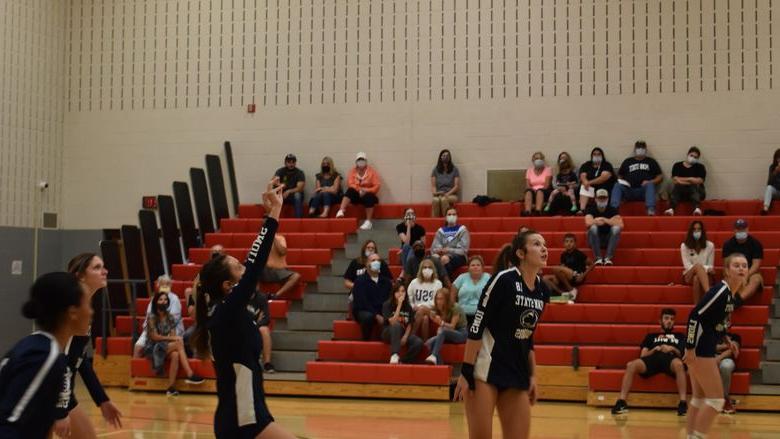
[697,212]
[194,379]
[650,212]
[268,368]
[340,214]
[620,407]
[599,261]
[608,261]
[547,208]
[366,225]
[171,391]
[574,208]
[432,359]
[394,359]
[682,408]
[729,408]
[572,294]
[669,212]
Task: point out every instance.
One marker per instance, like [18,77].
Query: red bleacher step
[610,380]
[116,346]
[290,225]
[309,273]
[378,352]
[639,313]
[371,373]
[295,256]
[142,367]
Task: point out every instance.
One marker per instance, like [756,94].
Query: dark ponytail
[208,291]
[503,259]
[507,256]
[50,297]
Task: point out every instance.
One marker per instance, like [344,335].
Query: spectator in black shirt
[370,292]
[416,256]
[358,265]
[409,232]
[293,180]
[604,225]
[572,271]
[661,352]
[638,176]
[728,351]
[688,178]
[744,243]
[595,174]
[772,191]
[564,183]
[327,191]
[399,316]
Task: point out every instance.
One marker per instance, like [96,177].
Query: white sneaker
[394,359]
[367,225]
[697,211]
[573,295]
[340,214]
[607,261]
[669,212]
[599,261]
[432,359]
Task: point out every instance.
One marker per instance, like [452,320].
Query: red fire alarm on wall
[149,202]
[250,108]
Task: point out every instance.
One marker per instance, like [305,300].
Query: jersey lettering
[256,245]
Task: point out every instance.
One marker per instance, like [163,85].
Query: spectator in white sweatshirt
[451,243]
[698,257]
[421,292]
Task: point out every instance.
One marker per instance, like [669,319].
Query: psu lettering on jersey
[256,245]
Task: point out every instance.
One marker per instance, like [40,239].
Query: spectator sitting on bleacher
[369,293]
[412,265]
[595,174]
[421,291]
[174,309]
[574,267]
[451,243]
[744,243]
[409,232]
[445,183]
[162,342]
[468,287]
[293,180]
[452,325]
[276,271]
[538,180]
[638,176]
[362,186]
[358,265]
[698,259]
[772,191]
[398,316]
[564,183]
[661,352]
[327,190]
[728,351]
[688,178]
[258,307]
[604,225]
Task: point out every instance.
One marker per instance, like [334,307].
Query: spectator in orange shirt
[276,271]
[363,185]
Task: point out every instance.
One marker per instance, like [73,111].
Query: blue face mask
[697,235]
[375,265]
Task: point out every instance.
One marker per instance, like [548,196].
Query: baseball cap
[360,156]
[290,158]
[602,193]
[740,224]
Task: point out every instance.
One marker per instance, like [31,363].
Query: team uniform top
[505,321]
[33,393]
[80,360]
[236,347]
[709,319]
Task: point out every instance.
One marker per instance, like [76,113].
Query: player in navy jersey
[499,363]
[91,273]
[34,375]
[708,320]
[225,330]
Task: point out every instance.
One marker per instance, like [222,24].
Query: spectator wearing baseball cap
[293,180]
[362,186]
[743,242]
[604,224]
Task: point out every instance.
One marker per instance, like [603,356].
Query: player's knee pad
[716,403]
[696,402]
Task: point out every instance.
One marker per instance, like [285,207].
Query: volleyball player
[708,320]
[227,331]
[34,375]
[499,363]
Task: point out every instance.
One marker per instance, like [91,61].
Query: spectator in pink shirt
[538,185]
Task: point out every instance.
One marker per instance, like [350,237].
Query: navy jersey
[709,319]
[34,387]
[79,357]
[505,321]
[236,347]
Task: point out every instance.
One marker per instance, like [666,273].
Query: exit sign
[149,202]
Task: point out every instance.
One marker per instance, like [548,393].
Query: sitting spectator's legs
[392,334]
[617,195]
[771,193]
[727,368]
[441,203]
[406,250]
[366,319]
[452,263]
[445,335]
[699,279]
[584,200]
[678,368]
[321,199]
[633,367]
[279,275]
[648,193]
[296,199]
[594,241]
[614,239]
[539,195]
[368,200]
[693,193]
[422,322]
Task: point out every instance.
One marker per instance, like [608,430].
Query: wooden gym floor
[153,415]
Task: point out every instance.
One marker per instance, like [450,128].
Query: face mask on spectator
[427,273]
[602,204]
[445,158]
[376,266]
[741,235]
[596,159]
[562,161]
[162,307]
[692,159]
[539,163]
[368,252]
[697,235]
[640,152]
[361,163]
[452,219]
[419,253]
[325,168]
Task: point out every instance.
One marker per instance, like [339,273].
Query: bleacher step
[772,350]
[312,321]
[292,361]
[325,302]
[298,340]
[330,284]
[338,266]
[285,376]
[764,389]
[774,329]
[770,372]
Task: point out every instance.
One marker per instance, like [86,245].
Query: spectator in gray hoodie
[451,243]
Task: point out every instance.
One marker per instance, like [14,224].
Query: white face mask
[602,204]
[427,273]
[741,236]
[562,162]
[452,219]
[375,266]
[361,163]
[692,159]
[596,159]
[640,152]
[697,235]
[368,252]
[539,163]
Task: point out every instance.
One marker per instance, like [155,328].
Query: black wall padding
[202,205]
[217,186]
[170,231]
[232,176]
[189,234]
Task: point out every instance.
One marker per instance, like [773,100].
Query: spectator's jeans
[406,249]
[726,367]
[770,194]
[367,320]
[296,199]
[186,339]
[621,192]
[693,192]
[596,239]
[322,199]
[456,261]
[445,335]
[392,334]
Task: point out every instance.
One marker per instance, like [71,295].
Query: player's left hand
[111,414]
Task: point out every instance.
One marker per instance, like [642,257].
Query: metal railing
[108,311]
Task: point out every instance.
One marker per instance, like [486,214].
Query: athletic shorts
[658,362]
[275,275]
